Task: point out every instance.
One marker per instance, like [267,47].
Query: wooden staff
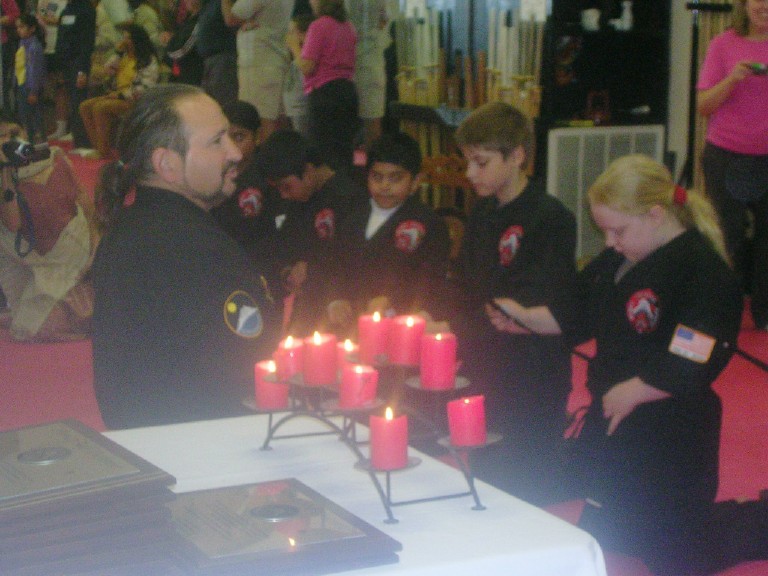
[469,84]
[492,23]
[481,83]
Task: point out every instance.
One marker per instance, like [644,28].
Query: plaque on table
[74,502]
[62,463]
[278,527]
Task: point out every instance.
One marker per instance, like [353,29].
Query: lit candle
[373,338]
[405,340]
[466,421]
[271,394]
[320,359]
[438,361]
[389,441]
[347,352]
[358,386]
[289,357]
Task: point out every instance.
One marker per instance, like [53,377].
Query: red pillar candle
[347,352]
[438,361]
[389,441]
[320,359]
[289,357]
[373,338]
[405,340]
[466,421]
[271,394]
[358,386]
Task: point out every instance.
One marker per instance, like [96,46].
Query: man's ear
[168,165]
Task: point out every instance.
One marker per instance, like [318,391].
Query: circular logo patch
[643,311]
[242,315]
[509,243]
[325,223]
[409,234]
[251,202]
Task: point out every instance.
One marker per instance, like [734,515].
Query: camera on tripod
[19,153]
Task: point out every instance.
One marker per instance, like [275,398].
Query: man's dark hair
[153,122]
[286,153]
[396,148]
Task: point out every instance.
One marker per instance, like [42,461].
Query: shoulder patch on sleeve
[242,315]
[692,344]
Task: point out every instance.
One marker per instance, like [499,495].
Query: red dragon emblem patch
[251,202]
[643,311]
[409,234]
[325,224]
[509,243]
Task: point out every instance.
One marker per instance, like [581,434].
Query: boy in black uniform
[318,201]
[519,242]
[391,252]
[249,214]
[181,315]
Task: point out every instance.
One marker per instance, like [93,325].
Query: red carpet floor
[46,382]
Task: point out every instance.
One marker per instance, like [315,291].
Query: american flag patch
[691,344]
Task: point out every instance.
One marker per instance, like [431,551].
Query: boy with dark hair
[318,200]
[519,242]
[397,246]
[249,214]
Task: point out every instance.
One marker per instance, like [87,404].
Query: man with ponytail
[180,313]
[664,308]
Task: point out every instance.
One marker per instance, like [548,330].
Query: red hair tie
[680,195]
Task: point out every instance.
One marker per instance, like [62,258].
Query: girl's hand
[624,397]
[32,99]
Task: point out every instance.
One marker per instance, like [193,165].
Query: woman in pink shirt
[731,93]
[326,58]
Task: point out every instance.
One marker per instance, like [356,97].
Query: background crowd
[230,216]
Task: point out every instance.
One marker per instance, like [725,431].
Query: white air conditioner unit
[577,156]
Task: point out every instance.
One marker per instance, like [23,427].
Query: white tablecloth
[443,538]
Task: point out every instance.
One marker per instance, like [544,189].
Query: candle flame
[438,337]
[359,369]
[317,339]
[291,542]
[271,366]
[376,316]
[348,346]
[289,342]
[410,322]
[388,414]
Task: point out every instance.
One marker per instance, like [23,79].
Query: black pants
[333,122]
[750,255]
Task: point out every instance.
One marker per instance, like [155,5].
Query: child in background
[30,76]
[135,68]
[391,252]
[520,243]
[664,308]
[294,98]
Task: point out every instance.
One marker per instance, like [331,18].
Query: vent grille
[577,156]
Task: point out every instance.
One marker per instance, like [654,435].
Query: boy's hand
[297,276]
[32,99]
